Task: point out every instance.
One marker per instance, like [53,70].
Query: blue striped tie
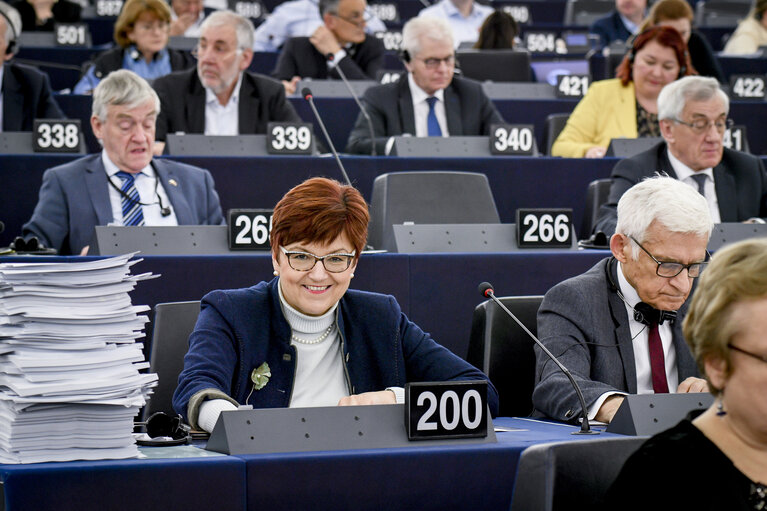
[131,202]
[432,125]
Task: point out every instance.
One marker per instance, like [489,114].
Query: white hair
[122,87]
[243,27]
[436,29]
[674,96]
[676,206]
[12,20]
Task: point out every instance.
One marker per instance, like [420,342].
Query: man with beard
[220,97]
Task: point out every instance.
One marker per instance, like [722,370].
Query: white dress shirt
[421,109]
[465,29]
[223,119]
[640,335]
[146,182]
[685,173]
[195,28]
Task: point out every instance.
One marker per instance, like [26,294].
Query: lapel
[726,195]
[627,113]
[98,189]
[194,110]
[406,114]
[248,106]
[453,111]
[664,164]
[622,329]
[685,363]
[171,183]
[13,108]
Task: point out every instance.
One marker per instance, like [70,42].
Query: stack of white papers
[70,367]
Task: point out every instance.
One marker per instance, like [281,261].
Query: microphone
[341,73]
[307,94]
[486,289]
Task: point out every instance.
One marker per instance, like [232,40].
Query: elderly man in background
[617,327]
[122,185]
[621,23]
[220,97]
[692,114]
[343,36]
[430,101]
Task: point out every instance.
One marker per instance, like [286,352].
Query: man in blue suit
[618,327]
[122,185]
[620,24]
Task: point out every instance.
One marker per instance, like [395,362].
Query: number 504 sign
[249,229]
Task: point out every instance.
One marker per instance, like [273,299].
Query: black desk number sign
[544,228]
[289,138]
[441,410]
[56,136]
[748,87]
[249,229]
[512,139]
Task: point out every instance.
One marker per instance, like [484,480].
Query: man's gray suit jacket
[74,198]
[584,323]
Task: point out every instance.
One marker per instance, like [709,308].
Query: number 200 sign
[455,409]
[249,229]
[544,228]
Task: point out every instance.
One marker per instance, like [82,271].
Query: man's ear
[618,246]
[666,130]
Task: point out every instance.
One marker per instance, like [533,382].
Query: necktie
[432,124]
[701,180]
[657,361]
[131,202]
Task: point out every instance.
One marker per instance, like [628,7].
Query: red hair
[318,211]
[665,36]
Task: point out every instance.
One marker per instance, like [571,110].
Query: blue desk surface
[420,477]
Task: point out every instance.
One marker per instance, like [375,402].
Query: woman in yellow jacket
[626,106]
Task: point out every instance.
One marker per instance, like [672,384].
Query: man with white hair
[220,97]
[692,113]
[123,184]
[617,327]
[429,100]
[25,93]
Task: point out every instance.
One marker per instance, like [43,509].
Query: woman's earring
[720,411]
[352,275]
[276,273]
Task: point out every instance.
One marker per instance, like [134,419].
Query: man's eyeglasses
[357,20]
[218,51]
[433,63]
[305,261]
[670,270]
[701,126]
[752,355]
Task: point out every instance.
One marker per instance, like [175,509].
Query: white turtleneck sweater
[320,378]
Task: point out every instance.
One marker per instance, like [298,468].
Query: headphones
[164,210]
[6,11]
[404,55]
[643,313]
[160,424]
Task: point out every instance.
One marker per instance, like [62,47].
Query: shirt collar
[630,25]
[111,169]
[211,99]
[452,11]
[419,95]
[630,294]
[683,171]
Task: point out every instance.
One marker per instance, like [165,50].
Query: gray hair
[124,88]
[675,95]
[436,29]
[328,6]
[10,14]
[677,206]
[243,27]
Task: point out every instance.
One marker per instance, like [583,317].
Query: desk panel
[209,483]
[260,182]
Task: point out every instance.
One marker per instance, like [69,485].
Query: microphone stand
[341,73]
[307,94]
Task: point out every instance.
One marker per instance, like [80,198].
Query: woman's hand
[383,397]
[596,152]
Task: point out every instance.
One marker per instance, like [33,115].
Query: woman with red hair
[626,106]
[305,339]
